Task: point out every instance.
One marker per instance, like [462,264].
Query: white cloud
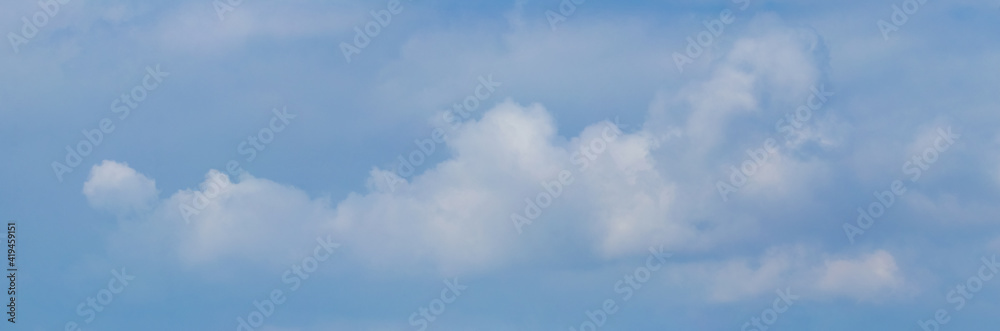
[119,189]
[872,277]
[253,220]
[767,73]
[651,186]
[457,214]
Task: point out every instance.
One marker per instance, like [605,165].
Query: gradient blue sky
[610,64]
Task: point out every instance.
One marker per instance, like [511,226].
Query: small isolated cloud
[116,188]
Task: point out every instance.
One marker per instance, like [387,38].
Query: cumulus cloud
[457,215]
[253,220]
[116,188]
[627,190]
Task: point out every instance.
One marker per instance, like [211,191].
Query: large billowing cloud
[457,216]
[748,166]
[513,190]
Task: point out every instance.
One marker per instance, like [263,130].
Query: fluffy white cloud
[458,214]
[455,216]
[115,187]
[254,220]
[628,190]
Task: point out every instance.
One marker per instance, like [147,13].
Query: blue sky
[634,165]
